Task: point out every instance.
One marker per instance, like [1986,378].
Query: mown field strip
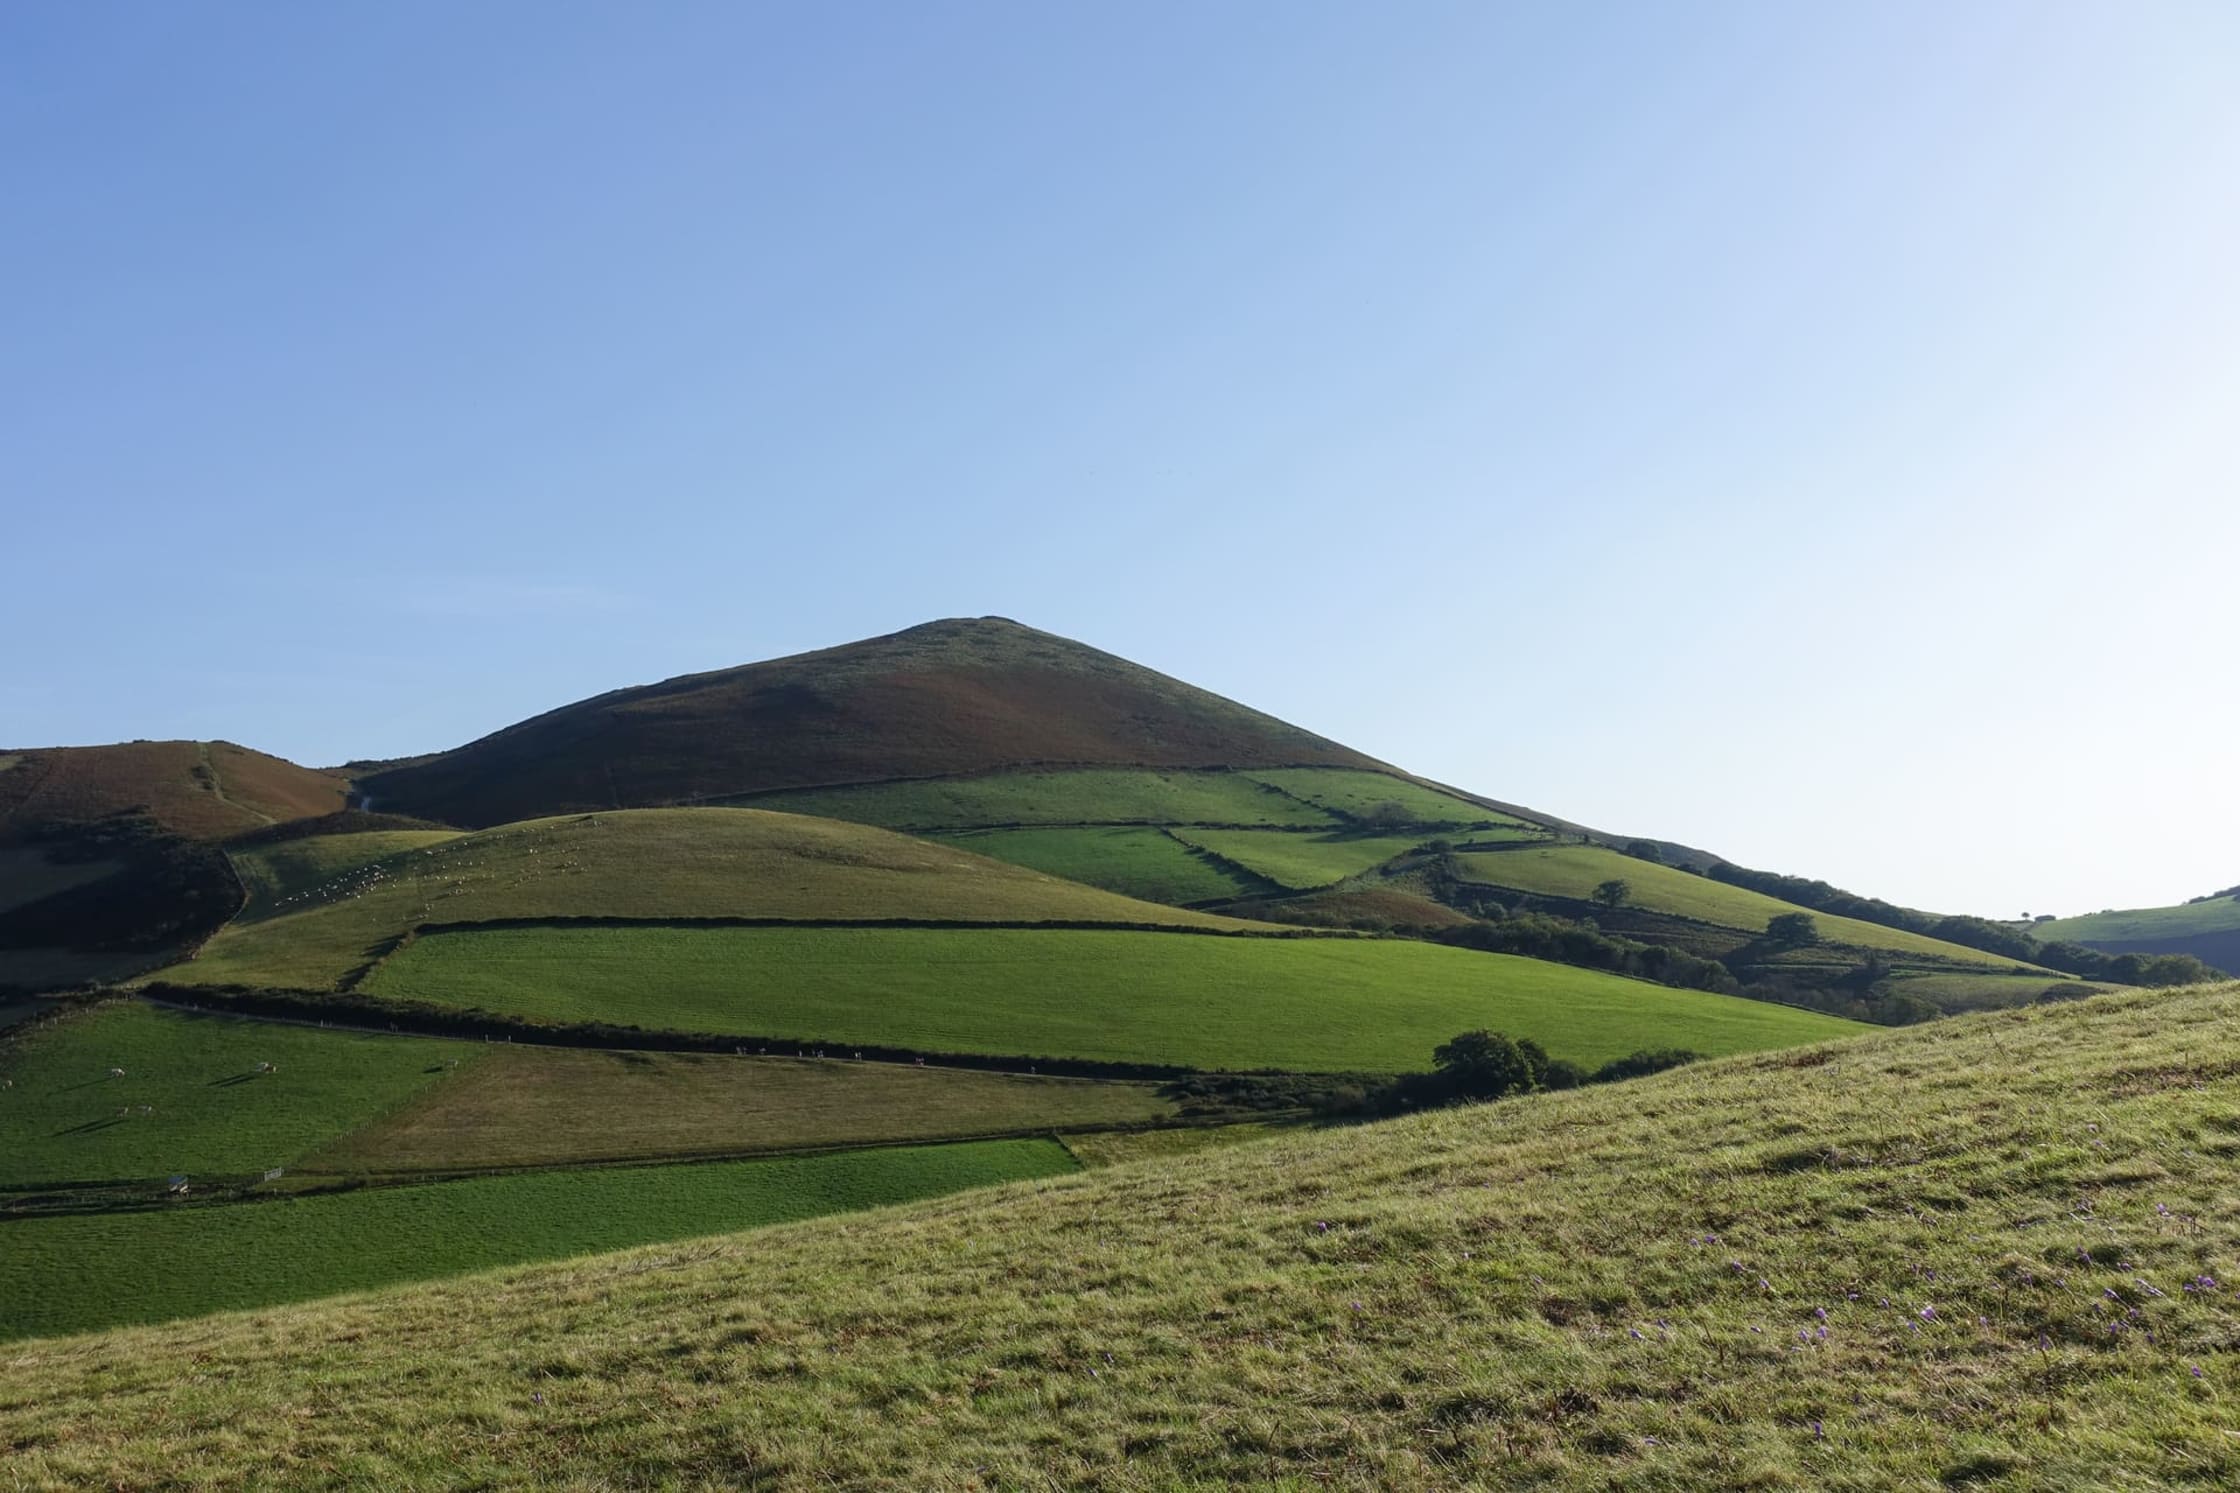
[535,1106]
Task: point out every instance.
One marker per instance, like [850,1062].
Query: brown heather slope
[197,790]
[955,696]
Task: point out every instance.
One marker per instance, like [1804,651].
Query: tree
[1793,930]
[1645,850]
[1612,894]
[1391,814]
[1484,1065]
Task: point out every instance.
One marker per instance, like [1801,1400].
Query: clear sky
[1807,431]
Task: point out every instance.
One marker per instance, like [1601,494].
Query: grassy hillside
[1314,1004]
[200,790]
[543,1106]
[70,1273]
[1572,872]
[279,875]
[211,1109]
[2141,924]
[956,696]
[1991,1252]
[660,863]
[2209,930]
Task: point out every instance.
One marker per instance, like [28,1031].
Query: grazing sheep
[116,1072]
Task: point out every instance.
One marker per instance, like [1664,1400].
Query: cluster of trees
[1538,936]
[1476,1066]
[1542,936]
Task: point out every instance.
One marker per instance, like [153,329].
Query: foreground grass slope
[1954,1254]
[651,863]
[1304,1004]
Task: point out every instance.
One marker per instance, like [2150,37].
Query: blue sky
[1806,431]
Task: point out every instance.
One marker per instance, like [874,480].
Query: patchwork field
[1378,796]
[1572,872]
[648,863]
[1314,1004]
[209,1109]
[74,1272]
[1297,861]
[1134,861]
[543,1106]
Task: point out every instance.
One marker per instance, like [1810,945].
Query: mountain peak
[952,696]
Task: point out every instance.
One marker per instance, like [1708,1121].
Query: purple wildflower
[1928,1314]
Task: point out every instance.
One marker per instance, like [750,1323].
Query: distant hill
[957,696]
[197,790]
[108,862]
[2208,928]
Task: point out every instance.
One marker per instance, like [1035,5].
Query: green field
[1082,796]
[1621,1287]
[278,875]
[213,1113]
[75,1272]
[1573,872]
[1133,861]
[1311,1004]
[650,863]
[1299,861]
[542,1106]
[1364,794]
